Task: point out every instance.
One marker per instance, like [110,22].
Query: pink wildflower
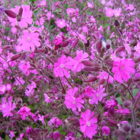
[105,130]
[70,11]
[55,121]
[12,134]
[41,118]
[90,5]
[72,102]
[60,23]
[109,12]
[29,41]
[47,98]
[26,16]
[124,111]
[122,70]
[7,107]
[62,66]
[98,95]
[117,12]
[78,65]
[88,124]
[24,111]
[104,75]
[89,91]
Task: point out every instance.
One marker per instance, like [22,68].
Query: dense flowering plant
[69,70]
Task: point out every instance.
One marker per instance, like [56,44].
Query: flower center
[62,65]
[98,95]
[29,39]
[88,123]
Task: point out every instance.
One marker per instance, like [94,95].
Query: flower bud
[112,122]
[19,16]
[103,123]
[99,46]
[120,49]
[75,43]
[137,60]
[65,44]
[87,68]
[10,13]
[87,63]
[126,127]
[15,57]
[116,23]
[138,132]
[92,79]
[127,104]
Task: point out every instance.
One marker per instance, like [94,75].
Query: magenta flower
[89,91]
[109,12]
[77,62]
[88,124]
[55,121]
[72,102]
[24,111]
[26,17]
[104,75]
[47,98]
[29,41]
[7,107]
[105,130]
[98,96]
[124,111]
[60,23]
[62,66]
[122,70]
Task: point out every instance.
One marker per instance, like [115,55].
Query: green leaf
[119,99]
[6,137]
[66,5]
[89,13]
[135,91]
[61,130]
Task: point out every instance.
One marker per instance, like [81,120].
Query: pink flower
[70,11]
[109,12]
[90,5]
[117,12]
[89,91]
[111,103]
[122,111]
[60,23]
[41,118]
[55,121]
[62,66]
[72,102]
[7,107]
[105,130]
[98,95]
[88,124]
[29,41]
[24,67]
[78,65]
[24,111]
[104,75]
[122,70]
[26,16]
[12,134]
[47,98]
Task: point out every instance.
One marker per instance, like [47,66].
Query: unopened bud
[92,79]
[15,57]
[127,104]
[65,44]
[134,137]
[75,43]
[137,60]
[87,63]
[19,16]
[112,122]
[85,8]
[120,49]
[116,23]
[91,68]
[10,13]
[99,46]
[103,123]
